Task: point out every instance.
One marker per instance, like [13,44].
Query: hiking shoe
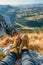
[16,45]
[14,48]
[24,44]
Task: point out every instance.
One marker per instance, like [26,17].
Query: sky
[19,2]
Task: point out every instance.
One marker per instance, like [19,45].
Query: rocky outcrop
[6,26]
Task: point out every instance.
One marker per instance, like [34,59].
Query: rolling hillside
[27,18]
[27,15]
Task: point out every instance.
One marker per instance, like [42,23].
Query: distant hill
[4,9]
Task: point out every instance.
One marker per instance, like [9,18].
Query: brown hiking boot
[24,44]
[16,45]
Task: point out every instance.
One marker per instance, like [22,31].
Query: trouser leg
[26,59]
[9,59]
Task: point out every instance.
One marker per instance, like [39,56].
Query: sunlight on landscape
[35,17]
[35,41]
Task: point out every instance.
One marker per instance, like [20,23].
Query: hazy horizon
[20,2]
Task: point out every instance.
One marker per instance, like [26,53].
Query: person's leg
[26,59]
[9,59]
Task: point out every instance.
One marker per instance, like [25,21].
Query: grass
[33,44]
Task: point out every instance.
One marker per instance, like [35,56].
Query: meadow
[35,41]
